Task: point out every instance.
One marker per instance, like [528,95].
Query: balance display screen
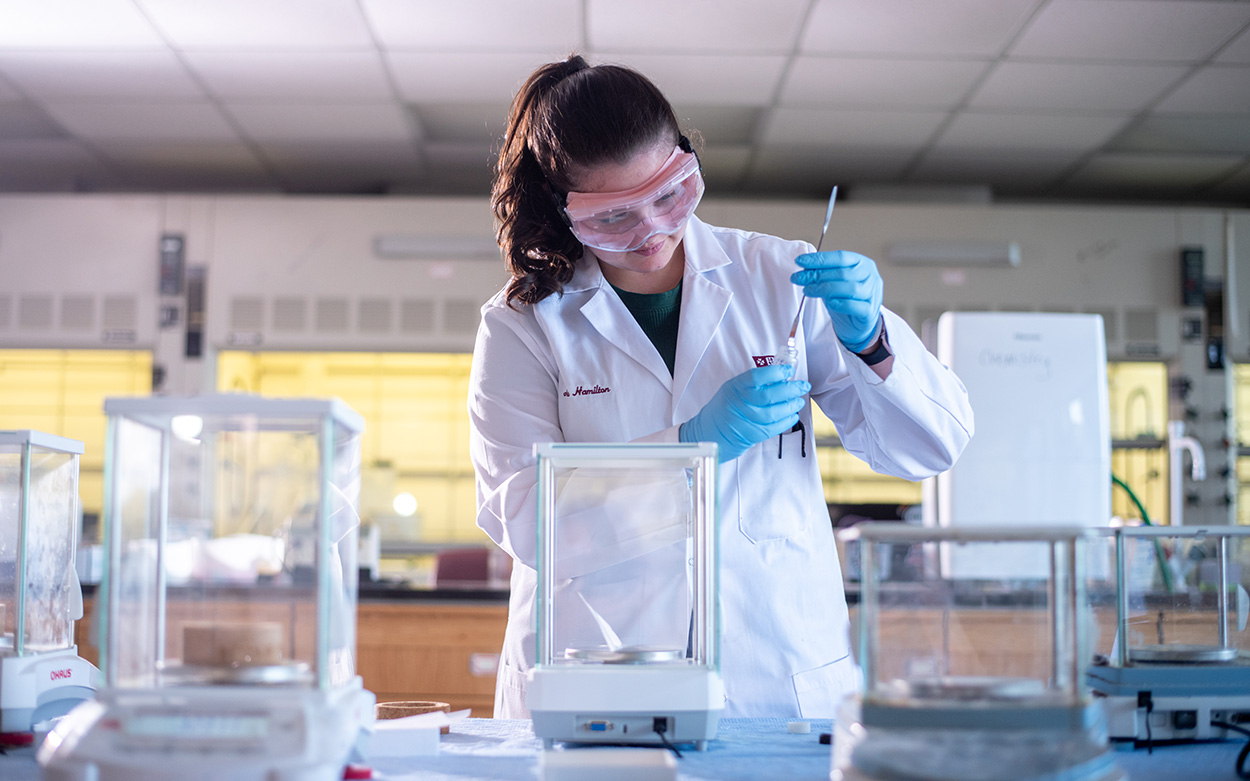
[169,725]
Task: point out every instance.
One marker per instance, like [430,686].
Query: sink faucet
[1178,444]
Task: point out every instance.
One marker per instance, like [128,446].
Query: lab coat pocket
[820,689]
[770,506]
[510,688]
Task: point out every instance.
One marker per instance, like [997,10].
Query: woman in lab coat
[628,319]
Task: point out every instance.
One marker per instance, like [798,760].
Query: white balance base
[243,733]
[41,686]
[623,704]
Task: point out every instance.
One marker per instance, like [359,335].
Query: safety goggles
[624,221]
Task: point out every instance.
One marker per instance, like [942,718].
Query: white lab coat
[784,641]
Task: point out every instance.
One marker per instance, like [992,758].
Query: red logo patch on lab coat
[763,360]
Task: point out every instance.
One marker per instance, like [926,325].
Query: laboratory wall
[263,275]
[300,273]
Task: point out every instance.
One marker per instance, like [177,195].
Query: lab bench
[411,643]
[744,749]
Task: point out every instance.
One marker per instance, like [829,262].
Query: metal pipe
[1177,445]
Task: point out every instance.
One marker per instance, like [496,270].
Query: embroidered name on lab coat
[582,391]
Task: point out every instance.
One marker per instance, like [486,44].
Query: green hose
[1164,571]
[1141,508]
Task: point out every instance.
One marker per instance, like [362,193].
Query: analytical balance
[1180,663]
[627,618]
[41,674]
[228,601]
[966,677]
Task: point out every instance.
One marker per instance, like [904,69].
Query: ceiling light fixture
[954,253]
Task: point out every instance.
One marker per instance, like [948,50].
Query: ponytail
[567,114]
[538,250]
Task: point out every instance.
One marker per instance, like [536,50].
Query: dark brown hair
[568,115]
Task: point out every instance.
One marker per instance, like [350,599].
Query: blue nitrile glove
[748,409]
[850,286]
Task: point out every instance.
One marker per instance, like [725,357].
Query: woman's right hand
[754,406]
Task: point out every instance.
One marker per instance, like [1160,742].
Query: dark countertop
[374,591]
[402,591]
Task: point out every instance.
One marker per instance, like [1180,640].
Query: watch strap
[878,353]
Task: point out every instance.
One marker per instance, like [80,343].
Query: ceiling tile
[1145,30]
[1234,187]
[75,24]
[1041,132]
[324,154]
[51,165]
[729,26]
[719,125]
[460,168]
[167,121]
[462,78]
[477,25]
[27,121]
[476,122]
[206,165]
[443,156]
[1180,133]
[231,25]
[1237,52]
[1164,173]
[842,81]
[749,80]
[1040,86]
[869,129]
[966,28]
[724,165]
[808,171]
[290,76]
[362,123]
[1216,89]
[342,167]
[1014,170]
[99,75]
[7,93]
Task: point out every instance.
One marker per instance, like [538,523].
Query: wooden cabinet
[405,650]
[431,651]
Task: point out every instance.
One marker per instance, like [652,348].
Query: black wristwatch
[878,353]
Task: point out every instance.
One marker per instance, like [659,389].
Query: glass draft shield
[627,555]
[1183,597]
[624,221]
[39,592]
[970,669]
[231,531]
[930,631]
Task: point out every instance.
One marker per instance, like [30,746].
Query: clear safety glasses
[624,221]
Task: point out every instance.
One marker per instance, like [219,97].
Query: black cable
[1240,767]
[660,726]
[1144,700]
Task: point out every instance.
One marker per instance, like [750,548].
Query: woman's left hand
[851,288]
